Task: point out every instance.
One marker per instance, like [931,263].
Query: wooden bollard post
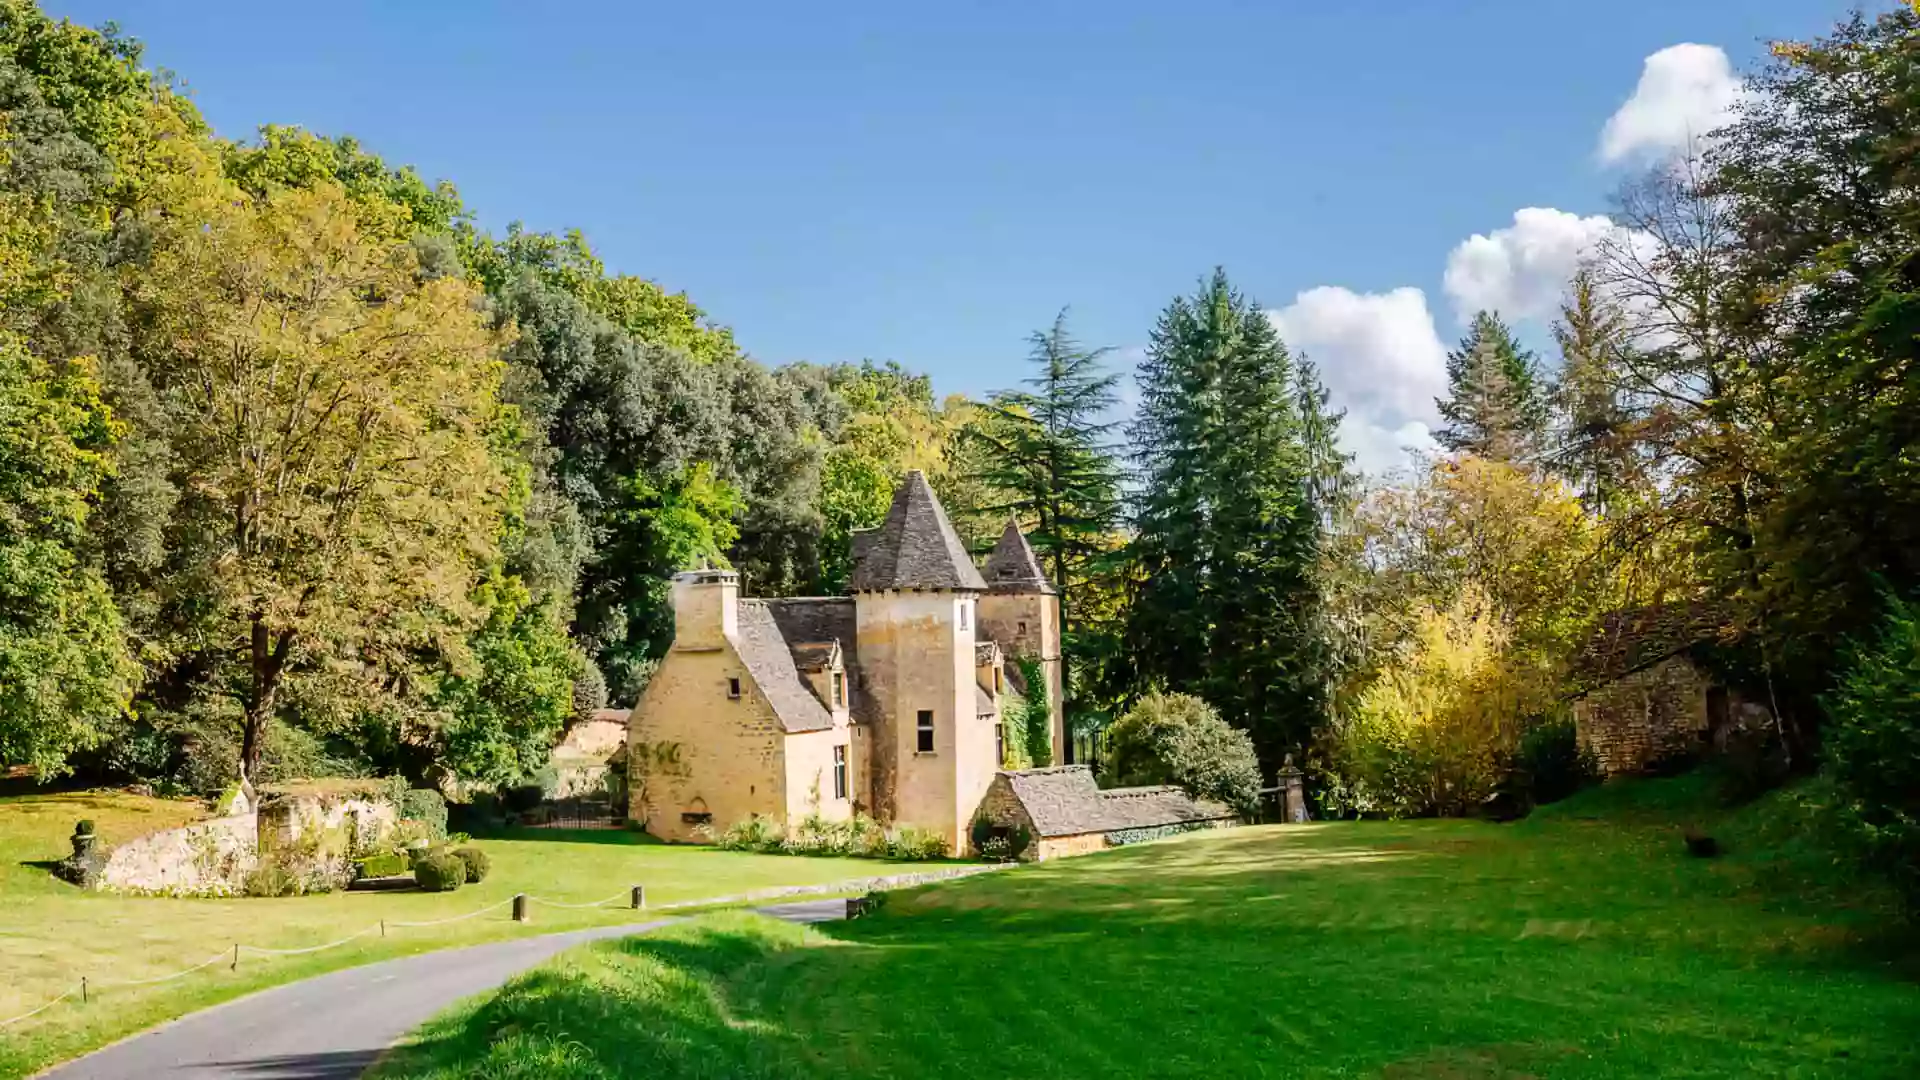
[639,897]
[235,966]
[83,989]
[520,907]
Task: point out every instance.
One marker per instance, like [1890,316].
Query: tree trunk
[267,660]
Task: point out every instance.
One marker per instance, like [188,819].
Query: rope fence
[521,902]
[87,985]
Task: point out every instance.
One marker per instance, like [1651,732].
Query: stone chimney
[706,608]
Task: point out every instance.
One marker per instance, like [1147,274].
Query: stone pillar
[1293,792]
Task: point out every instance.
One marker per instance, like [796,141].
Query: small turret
[1021,611]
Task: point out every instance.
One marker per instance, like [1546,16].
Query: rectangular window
[839,688]
[1022,631]
[924,731]
[966,611]
[839,772]
[998,686]
[1000,744]
[733,689]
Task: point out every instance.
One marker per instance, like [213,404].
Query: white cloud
[1381,360]
[1685,92]
[1382,451]
[1520,271]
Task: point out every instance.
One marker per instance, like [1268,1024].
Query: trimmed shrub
[376,866]
[1180,739]
[439,871]
[1873,746]
[83,827]
[476,863]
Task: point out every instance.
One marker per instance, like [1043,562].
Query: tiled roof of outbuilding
[1064,801]
[1632,639]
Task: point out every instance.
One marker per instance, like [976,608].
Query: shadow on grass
[1447,952]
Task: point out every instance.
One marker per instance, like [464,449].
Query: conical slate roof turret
[915,548]
[1013,568]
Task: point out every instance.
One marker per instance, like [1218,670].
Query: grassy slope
[1580,943]
[52,933]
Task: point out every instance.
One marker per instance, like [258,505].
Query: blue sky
[931,182]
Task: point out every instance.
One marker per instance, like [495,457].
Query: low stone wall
[313,835]
[209,858]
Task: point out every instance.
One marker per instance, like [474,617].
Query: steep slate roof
[1013,568]
[983,703]
[1064,801]
[807,622]
[915,548]
[763,649]
[812,619]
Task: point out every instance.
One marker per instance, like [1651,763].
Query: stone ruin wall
[214,858]
[1635,722]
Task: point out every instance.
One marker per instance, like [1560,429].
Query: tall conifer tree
[1493,406]
[1049,448]
[1227,524]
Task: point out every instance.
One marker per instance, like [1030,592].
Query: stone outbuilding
[1062,812]
[1648,693]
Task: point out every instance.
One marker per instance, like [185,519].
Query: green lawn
[1583,942]
[52,933]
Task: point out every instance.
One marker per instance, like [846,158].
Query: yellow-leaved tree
[331,409]
[1432,732]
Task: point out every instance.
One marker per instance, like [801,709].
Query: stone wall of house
[808,757]
[916,652]
[692,750]
[1636,721]
[1028,624]
[205,858]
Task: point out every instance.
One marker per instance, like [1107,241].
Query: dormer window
[839,688]
[998,686]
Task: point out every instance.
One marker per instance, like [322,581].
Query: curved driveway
[333,1026]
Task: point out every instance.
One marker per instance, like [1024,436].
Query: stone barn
[1648,693]
[1063,812]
